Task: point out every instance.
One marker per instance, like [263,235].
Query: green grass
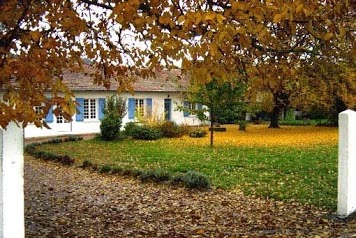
[305,175]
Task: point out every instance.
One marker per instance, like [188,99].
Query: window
[60,119]
[89,109]
[140,107]
[38,110]
[189,108]
[39,113]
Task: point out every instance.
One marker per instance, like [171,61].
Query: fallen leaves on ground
[71,202]
[262,136]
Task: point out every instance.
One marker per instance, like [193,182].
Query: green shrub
[66,160]
[146,133]
[115,106]
[185,129]
[105,169]
[295,123]
[158,175]
[55,141]
[197,133]
[31,148]
[72,138]
[178,179]
[130,128]
[86,164]
[197,180]
[110,127]
[116,170]
[170,129]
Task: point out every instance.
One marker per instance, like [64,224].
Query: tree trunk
[274,117]
[211,129]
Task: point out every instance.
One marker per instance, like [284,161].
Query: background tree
[218,97]
[276,87]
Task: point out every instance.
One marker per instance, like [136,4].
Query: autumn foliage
[208,39]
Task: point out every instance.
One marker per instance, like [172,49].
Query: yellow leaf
[210,16]
[328,36]
[181,19]
[35,35]
[342,32]
[220,18]
[299,8]
[277,18]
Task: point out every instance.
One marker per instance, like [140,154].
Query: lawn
[291,163]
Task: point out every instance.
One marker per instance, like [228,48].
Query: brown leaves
[65,201]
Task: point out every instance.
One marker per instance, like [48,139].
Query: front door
[168,109]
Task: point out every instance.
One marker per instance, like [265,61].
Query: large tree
[210,38]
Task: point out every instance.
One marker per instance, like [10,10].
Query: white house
[158,97]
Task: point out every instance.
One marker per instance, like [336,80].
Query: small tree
[218,97]
[115,109]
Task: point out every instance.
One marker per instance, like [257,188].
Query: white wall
[93,126]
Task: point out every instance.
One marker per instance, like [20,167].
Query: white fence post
[12,222]
[346,194]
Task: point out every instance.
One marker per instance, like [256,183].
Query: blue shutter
[101,108]
[131,108]
[185,108]
[80,106]
[149,107]
[49,116]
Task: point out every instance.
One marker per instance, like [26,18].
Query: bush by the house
[130,128]
[110,127]
[146,133]
[114,110]
[170,129]
[197,133]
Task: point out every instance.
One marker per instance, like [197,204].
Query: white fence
[346,195]
[11,182]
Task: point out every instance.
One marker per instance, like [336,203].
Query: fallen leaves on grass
[70,202]
[262,136]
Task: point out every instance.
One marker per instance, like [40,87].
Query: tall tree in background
[212,39]
[277,87]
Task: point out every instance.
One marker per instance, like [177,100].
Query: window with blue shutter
[131,108]
[101,108]
[80,109]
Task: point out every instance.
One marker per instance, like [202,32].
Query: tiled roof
[165,81]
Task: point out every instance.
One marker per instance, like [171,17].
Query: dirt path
[71,202]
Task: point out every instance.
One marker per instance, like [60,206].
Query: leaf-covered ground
[291,163]
[70,202]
